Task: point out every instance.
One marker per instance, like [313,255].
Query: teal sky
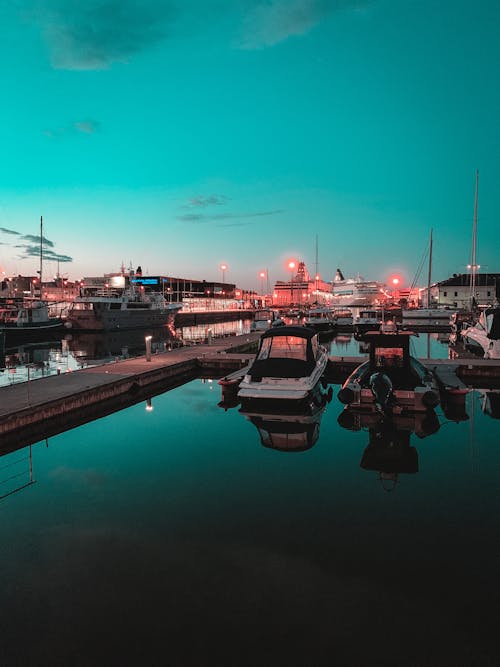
[182,134]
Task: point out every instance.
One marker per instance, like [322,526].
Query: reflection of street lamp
[149,407]
[223,268]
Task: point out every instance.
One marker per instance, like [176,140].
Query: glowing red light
[291,265]
[262,274]
[395,281]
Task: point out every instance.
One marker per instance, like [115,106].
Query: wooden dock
[32,411]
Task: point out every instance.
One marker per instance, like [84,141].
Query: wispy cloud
[28,246]
[86,126]
[205,218]
[36,239]
[94,34]
[269,22]
[210,200]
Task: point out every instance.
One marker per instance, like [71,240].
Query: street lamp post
[223,268]
[262,276]
[395,282]
[291,266]
[148,347]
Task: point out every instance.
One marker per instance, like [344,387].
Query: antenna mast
[429,274]
[41,253]
[473,262]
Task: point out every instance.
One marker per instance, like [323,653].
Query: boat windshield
[283,347]
[389,356]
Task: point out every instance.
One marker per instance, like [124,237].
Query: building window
[456,293]
[445,293]
[488,293]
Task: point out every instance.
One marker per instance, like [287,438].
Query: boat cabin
[390,354]
[286,352]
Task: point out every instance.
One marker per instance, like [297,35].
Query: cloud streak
[94,34]
[29,246]
[86,126]
[269,22]
[205,218]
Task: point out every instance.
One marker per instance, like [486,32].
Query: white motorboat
[484,335]
[320,318]
[263,319]
[368,320]
[288,369]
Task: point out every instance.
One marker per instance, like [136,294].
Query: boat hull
[32,332]
[119,320]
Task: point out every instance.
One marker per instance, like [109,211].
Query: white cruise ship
[356,291]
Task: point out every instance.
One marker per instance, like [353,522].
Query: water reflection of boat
[288,368]
[287,433]
[202,333]
[89,347]
[389,450]
[490,403]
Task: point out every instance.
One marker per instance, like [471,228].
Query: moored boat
[263,319]
[484,335]
[287,370]
[119,307]
[27,317]
[391,380]
[320,318]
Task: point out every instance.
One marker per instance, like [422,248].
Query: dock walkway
[34,410]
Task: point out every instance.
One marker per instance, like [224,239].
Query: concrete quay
[32,411]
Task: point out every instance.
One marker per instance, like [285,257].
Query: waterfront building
[301,289]
[456,291]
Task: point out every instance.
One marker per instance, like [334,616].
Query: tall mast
[429,274]
[41,253]
[473,259]
[316,269]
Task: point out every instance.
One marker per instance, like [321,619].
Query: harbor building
[456,291]
[301,289]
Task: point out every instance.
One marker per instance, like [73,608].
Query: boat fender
[346,395]
[430,399]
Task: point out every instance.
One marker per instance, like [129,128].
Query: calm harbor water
[177,536]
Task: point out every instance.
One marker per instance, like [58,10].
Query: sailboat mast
[316,269]
[429,273]
[473,259]
[41,253]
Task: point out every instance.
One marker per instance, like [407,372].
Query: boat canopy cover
[301,332]
[286,352]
